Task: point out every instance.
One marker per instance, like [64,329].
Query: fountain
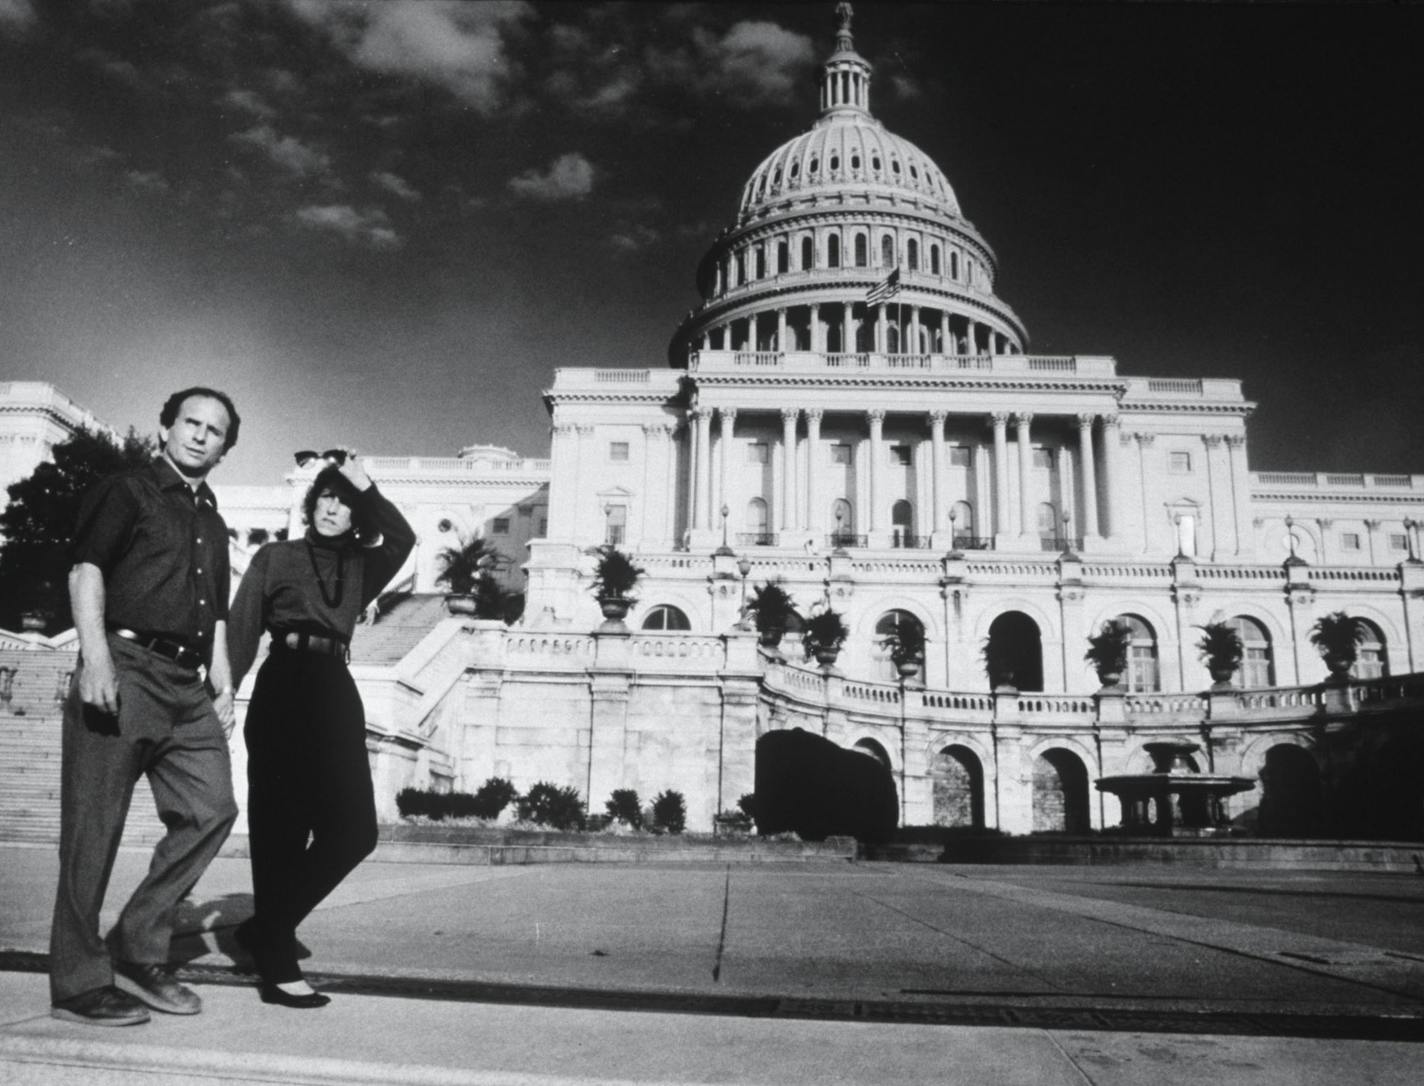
[1174,800]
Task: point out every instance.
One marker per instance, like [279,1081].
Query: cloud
[633,238]
[460,47]
[16,15]
[286,151]
[371,227]
[755,63]
[146,181]
[395,184]
[249,102]
[569,177]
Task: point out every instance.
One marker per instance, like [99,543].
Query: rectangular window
[1179,462]
[501,525]
[758,452]
[959,456]
[616,524]
[1043,458]
[1398,541]
[900,454]
[618,451]
[1350,540]
[840,453]
[543,527]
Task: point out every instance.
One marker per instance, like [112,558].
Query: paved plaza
[768,973]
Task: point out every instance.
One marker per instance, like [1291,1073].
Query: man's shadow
[205,926]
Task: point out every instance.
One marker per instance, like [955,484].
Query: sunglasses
[308,456]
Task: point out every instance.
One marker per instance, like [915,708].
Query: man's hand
[354,472]
[223,706]
[99,683]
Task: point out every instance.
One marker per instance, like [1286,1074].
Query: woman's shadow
[205,926]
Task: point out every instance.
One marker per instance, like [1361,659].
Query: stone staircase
[30,752]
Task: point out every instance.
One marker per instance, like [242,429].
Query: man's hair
[330,478]
[169,415]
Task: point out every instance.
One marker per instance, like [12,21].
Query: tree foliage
[35,528]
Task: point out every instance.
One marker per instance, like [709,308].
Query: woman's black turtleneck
[317,584]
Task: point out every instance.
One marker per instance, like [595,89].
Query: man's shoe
[156,985]
[106,1006]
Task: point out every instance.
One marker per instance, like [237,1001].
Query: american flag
[884,291]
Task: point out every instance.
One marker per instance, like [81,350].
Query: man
[149,591]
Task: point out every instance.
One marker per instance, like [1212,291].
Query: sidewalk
[786,974]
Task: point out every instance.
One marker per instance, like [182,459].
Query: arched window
[887,251]
[954,264]
[912,255]
[934,259]
[1047,521]
[963,523]
[861,256]
[1371,661]
[1142,672]
[902,524]
[892,622]
[833,251]
[666,617]
[855,160]
[756,522]
[808,253]
[835,162]
[843,517]
[741,270]
[1258,666]
[783,257]
[759,258]
[815,165]
[794,171]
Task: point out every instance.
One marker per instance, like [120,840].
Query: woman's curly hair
[330,479]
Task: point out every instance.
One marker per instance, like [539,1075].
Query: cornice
[1240,410]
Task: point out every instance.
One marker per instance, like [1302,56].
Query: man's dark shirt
[162,548]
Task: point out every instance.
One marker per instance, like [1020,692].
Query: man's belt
[179,653]
[299,641]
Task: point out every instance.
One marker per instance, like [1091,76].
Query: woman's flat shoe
[270,993]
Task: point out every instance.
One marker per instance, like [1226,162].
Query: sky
[385,225]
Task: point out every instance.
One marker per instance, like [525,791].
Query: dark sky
[386,224]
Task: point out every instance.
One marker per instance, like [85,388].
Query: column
[914,345]
[818,340]
[1000,421]
[781,329]
[938,472]
[789,416]
[582,431]
[848,329]
[1240,491]
[1088,473]
[1112,475]
[814,519]
[946,333]
[880,327]
[873,476]
[701,465]
[727,416]
[1021,436]
[1215,493]
[565,461]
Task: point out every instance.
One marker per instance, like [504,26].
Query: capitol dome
[834,228]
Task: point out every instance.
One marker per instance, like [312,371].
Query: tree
[35,528]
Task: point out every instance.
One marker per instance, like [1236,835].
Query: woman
[307,773]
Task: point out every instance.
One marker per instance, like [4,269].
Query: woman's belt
[181,654]
[300,641]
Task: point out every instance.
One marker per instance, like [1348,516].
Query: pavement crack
[722,934]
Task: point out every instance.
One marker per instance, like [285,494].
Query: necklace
[333,599]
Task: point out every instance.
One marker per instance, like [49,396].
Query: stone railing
[1326,480]
[389,467]
[549,648]
[675,651]
[1045,366]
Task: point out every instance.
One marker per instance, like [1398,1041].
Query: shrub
[424,802]
[669,812]
[549,805]
[747,805]
[734,821]
[615,576]
[824,631]
[493,797]
[624,806]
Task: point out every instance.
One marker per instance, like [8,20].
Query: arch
[954,264]
[1016,647]
[934,260]
[1291,799]
[756,518]
[957,783]
[962,522]
[893,621]
[873,748]
[1060,792]
[833,251]
[1143,674]
[1047,520]
[902,523]
[912,255]
[843,517]
[666,617]
[1258,665]
[1371,654]
[862,256]
[887,251]
[808,253]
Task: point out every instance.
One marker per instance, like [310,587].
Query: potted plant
[771,608]
[614,577]
[463,568]
[906,643]
[1107,651]
[998,663]
[1221,650]
[1337,638]
[824,634]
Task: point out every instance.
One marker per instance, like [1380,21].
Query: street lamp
[744,567]
[1409,526]
[724,549]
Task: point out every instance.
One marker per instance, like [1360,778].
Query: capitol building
[852,410]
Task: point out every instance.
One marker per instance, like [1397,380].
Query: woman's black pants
[311,812]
